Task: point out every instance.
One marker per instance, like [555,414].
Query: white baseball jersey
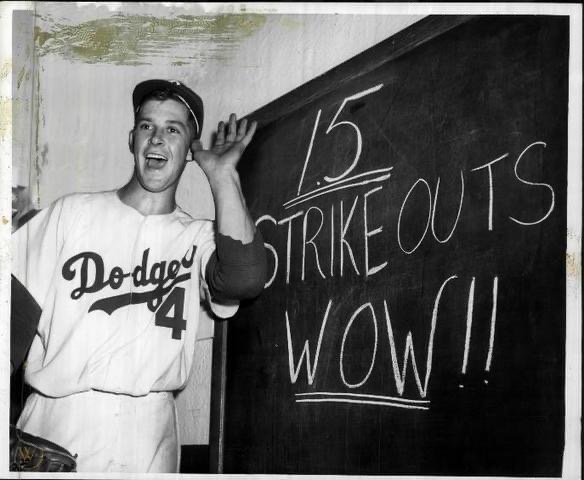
[120,294]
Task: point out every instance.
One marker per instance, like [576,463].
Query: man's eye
[144,126]
[173,130]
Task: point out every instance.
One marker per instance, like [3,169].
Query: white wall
[90,57]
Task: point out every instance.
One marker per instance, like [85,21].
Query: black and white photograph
[291,240]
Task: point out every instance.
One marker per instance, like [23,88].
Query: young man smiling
[120,276]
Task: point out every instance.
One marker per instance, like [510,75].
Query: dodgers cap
[189,98]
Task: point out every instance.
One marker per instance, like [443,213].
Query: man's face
[160,142]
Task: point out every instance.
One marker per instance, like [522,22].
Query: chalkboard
[413,205]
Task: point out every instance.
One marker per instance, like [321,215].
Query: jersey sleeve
[221,308]
[35,250]
[237,270]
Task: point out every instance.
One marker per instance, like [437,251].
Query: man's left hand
[230,143]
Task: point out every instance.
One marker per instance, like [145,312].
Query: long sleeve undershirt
[237,271]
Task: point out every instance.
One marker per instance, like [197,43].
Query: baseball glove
[35,454]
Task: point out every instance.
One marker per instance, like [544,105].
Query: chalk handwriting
[311,241]
[469,311]
[412,250]
[270,248]
[409,357]
[552,203]
[457,215]
[362,399]
[373,176]
[352,228]
[489,168]
[305,356]
[372,362]
[369,233]
[350,253]
[493,322]
[334,124]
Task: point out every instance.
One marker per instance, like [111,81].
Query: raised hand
[230,143]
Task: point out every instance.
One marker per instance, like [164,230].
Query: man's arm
[220,166]
[238,268]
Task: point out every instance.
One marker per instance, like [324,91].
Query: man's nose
[156,138]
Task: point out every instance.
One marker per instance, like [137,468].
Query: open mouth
[155,160]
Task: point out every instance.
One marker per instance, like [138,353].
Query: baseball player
[120,276]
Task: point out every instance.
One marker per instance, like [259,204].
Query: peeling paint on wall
[5,69]
[36,167]
[137,39]
[5,117]
[23,74]
[290,23]
[44,154]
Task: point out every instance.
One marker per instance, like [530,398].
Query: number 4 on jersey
[175,301]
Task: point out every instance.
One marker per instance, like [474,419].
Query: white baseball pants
[109,432]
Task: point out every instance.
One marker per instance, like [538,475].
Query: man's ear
[131,140]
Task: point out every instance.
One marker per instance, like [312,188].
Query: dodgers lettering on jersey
[87,268]
[120,294]
[92,279]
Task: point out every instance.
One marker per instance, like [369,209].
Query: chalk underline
[362,398]
[342,184]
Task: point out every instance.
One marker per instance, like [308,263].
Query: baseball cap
[190,99]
